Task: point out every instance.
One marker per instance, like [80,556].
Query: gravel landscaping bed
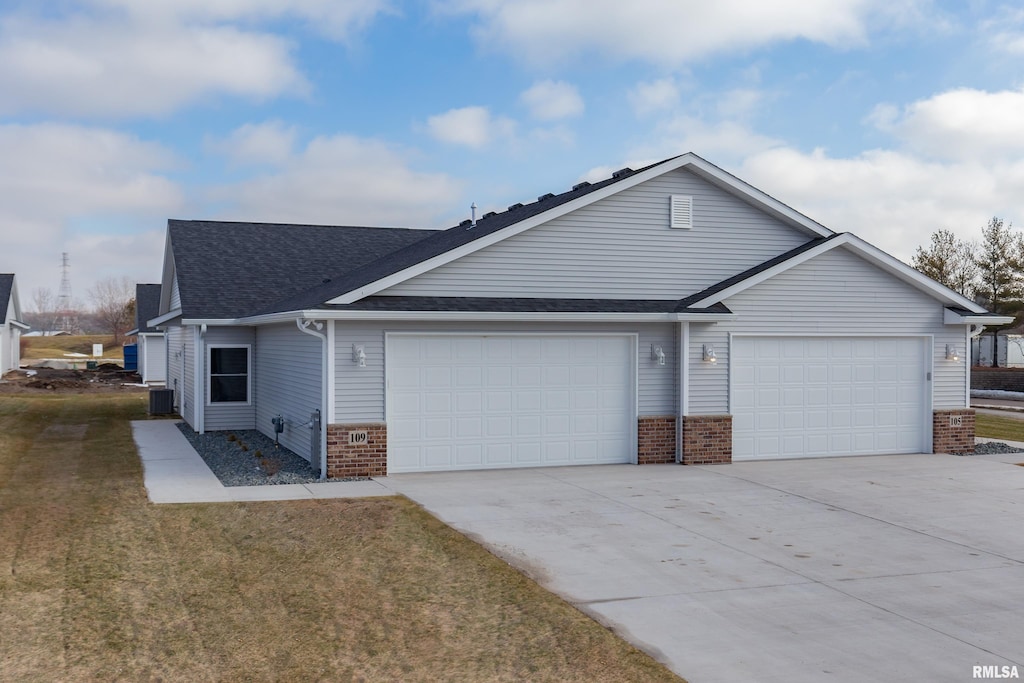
[994,448]
[248,459]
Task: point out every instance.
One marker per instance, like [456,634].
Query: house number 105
[956,420]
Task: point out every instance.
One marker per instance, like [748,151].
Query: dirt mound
[105,378]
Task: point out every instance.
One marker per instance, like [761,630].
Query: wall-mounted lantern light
[951,353]
[658,354]
[359,356]
[709,354]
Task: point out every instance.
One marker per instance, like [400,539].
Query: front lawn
[98,584]
[998,427]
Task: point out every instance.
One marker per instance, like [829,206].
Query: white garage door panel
[811,397]
[477,402]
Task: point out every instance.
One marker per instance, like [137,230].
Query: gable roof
[718,293]
[6,289]
[226,270]
[446,246]
[147,307]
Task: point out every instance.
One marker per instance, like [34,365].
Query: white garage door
[459,402]
[811,397]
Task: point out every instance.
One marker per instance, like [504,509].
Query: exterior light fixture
[709,354]
[951,353]
[658,354]
[359,356]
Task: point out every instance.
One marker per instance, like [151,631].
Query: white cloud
[668,31]
[552,100]
[959,124]
[343,180]
[651,97]
[116,68]
[470,126]
[68,185]
[257,143]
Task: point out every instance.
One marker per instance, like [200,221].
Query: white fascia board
[863,249]
[166,317]
[480,316]
[134,332]
[150,334]
[954,318]
[18,323]
[690,161]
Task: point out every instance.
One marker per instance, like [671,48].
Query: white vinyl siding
[188,395]
[360,391]
[10,338]
[620,247]
[153,358]
[836,293]
[175,355]
[223,416]
[288,383]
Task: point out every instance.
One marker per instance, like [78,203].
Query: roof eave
[954,318]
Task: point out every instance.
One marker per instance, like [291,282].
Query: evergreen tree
[949,261]
[1000,265]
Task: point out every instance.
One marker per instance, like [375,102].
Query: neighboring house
[152,344]
[668,314]
[11,327]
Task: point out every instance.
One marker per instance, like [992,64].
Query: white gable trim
[165,318]
[866,251]
[690,162]
[954,318]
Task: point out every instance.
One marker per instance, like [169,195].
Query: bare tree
[949,261]
[42,300]
[114,299]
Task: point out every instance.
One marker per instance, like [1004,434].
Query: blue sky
[887,118]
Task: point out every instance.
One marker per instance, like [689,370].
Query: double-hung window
[229,374]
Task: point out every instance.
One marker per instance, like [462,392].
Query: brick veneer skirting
[949,439]
[656,439]
[368,459]
[707,439]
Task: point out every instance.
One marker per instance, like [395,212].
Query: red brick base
[707,439]
[947,438]
[369,459]
[656,439]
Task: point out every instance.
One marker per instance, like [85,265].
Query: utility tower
[66,320]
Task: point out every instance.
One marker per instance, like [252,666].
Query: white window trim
[248,374]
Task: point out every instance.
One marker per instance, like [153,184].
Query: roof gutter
[953,318]
[18,323]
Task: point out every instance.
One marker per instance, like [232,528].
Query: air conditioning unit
[161,401]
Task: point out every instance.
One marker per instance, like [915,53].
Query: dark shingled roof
[147,306]
[6,286]
[229,270]
[438,243]
[514,305]
[684,304]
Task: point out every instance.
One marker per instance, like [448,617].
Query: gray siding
[289,381]
[620,247]
[221,416]
[175,302]
[836,293]
[360,391]
[175,355]
[188,395]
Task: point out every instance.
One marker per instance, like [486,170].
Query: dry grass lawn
[56,347]
[998,427]
[97,584]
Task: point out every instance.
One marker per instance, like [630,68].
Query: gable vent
[682,211]
[580,186]
[515,206]
[541,198]
[621,172]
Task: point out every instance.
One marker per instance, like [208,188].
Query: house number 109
[357,437]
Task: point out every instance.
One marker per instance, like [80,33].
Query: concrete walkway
[174,473]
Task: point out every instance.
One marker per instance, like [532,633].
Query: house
[668,314]
[152,344]
[11,327]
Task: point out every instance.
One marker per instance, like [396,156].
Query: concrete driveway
[844,569]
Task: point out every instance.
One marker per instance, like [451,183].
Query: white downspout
[684,386]
[325,416]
